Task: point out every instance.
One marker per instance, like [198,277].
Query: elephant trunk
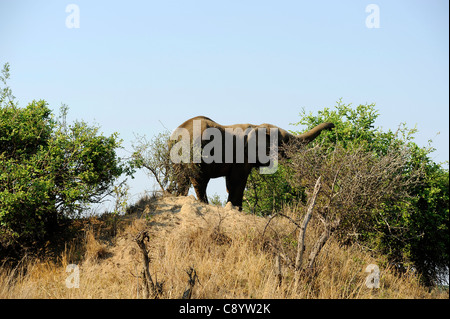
[313,133]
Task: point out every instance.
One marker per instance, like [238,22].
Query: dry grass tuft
[95,250]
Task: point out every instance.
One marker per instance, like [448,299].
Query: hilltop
[234,255]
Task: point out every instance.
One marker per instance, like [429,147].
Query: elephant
[235,170]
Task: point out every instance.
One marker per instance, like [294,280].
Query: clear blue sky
[133,65]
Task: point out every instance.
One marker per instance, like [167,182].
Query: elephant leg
[236,185]
[200,184]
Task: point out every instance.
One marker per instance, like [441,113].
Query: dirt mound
[186,213]
[166,220]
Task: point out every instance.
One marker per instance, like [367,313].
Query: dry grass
[226,248]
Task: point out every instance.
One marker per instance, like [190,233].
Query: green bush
[49,170]
[411,231]
[269,193]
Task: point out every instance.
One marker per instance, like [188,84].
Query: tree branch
[301,234]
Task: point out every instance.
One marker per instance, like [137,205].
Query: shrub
[49,170]
[387,193]
[154,156]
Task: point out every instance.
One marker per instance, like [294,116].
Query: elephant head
[221,154]
[286,138]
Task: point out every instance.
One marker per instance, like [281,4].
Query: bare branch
[301,235]
[147,278]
